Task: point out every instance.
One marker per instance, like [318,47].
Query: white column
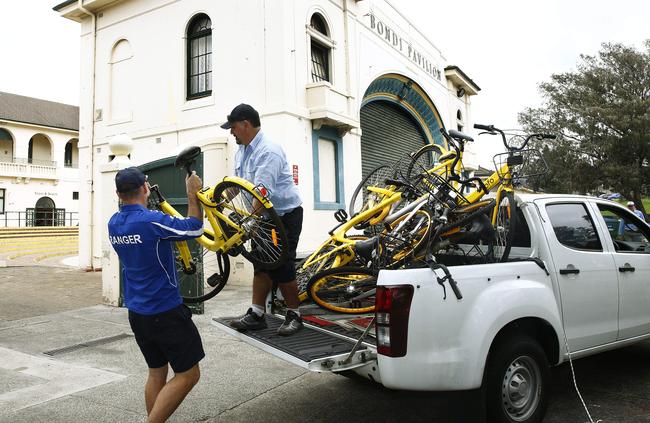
[121,145]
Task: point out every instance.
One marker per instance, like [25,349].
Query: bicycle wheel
[265,241]
[409,240]
[304,271]
[362,199]
[346,289]
[423,159]
[505,223]
[207,277]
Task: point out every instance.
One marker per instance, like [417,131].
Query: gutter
[346,35]
[58,7]
[92,134]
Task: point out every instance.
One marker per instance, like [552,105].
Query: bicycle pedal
[214,280]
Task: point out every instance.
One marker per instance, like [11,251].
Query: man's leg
[262,285]
[254,317]
[292,320]
[173,393]
[289,292]
[155,382]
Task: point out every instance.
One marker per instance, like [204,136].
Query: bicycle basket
[522,165]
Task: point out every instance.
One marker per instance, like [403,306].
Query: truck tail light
[393,304]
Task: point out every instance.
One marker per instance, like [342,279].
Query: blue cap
[129,179]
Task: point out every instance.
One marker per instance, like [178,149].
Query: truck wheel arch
[536,328]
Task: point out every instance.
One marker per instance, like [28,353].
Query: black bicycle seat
[187,156]
[457,135]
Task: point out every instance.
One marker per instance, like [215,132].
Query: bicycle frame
[216,239]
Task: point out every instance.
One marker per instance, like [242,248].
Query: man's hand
[193,183]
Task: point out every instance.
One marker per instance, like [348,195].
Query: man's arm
[193,185]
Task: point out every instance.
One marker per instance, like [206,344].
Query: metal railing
[38,217]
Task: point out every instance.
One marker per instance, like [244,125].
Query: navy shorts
[292,222]
[168,337]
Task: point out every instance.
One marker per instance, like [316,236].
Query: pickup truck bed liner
[307,344]
[322,345]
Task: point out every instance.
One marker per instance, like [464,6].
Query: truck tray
[313,348]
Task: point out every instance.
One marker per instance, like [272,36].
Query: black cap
[242,112]
[129,179]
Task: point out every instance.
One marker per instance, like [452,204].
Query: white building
[343,85]
[39,172]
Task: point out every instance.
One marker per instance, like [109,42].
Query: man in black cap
[262,161]
[161,323]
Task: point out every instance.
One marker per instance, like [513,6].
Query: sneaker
[248,321]
[292,324]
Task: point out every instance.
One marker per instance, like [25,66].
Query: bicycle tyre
[346,289]
[362,199]
[265,239]
[423,159]
[504,226]
[215,263]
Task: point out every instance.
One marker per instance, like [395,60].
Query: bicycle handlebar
[493,131]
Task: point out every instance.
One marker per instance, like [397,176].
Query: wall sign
[402,45]
[295,174]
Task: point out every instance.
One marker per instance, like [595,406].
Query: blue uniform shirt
[624,226]
[263,162]
[143,240]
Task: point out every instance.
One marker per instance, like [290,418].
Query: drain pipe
[346,35]
[92,134]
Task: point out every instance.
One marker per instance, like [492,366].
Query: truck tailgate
[316,347]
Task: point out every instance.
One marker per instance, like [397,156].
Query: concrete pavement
[66,358]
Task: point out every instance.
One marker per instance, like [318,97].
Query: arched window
[459,120]
[199,57]
[6,146]
[39,151]
[71,156]
[121,76]
[321,46]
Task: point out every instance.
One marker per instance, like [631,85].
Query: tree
[601,113]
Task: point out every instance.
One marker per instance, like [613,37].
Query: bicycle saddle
[366,247]
[457,135]
[187,156]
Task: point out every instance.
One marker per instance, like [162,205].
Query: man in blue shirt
[628,231]
[161,323]
[262,161]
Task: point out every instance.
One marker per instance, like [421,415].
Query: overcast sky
[506,46]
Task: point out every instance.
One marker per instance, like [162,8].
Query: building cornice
[40,127]
[458,77]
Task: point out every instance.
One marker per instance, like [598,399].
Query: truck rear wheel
[517,381]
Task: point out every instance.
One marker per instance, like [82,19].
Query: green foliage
[601,114]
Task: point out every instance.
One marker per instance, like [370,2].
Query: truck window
[627,231]
[573,226]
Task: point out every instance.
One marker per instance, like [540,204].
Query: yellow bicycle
[401,235]
[504,216]
[242,221]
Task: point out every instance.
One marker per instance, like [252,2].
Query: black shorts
[168,337]
[292,222]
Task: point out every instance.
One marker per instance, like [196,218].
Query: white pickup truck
[579,288]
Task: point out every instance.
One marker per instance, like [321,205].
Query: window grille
[199,57]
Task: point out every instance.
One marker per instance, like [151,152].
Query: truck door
[628,240]
[585,273]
